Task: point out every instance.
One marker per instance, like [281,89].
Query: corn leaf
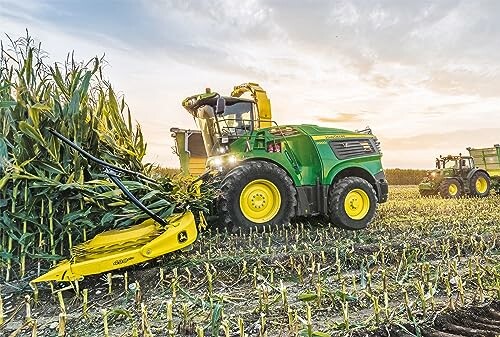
[31,132]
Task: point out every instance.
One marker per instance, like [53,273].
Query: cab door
[466,165]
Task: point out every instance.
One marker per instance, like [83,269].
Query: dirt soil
[268,283]
[478,321]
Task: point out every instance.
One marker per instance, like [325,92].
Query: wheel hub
[357,204]
[481,185]
[453,189]
[260,201]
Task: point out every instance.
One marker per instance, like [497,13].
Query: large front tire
[450,188]
[352,203]
[256,193]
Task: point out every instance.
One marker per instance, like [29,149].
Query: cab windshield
[449,164]
[236,119]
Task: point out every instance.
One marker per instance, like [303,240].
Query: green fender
[373,165]
[283,164]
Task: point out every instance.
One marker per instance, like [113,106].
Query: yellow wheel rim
[453,189]
[357,204]
[481,185]
[260,201]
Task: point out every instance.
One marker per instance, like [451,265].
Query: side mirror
[221,106]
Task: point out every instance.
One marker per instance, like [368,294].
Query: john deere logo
[182,237]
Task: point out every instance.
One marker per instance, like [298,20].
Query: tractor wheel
[352,202]
[450,188]
[256,193]
[480,184]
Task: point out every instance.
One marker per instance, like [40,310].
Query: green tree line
[404,176]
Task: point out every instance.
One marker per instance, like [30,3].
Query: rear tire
[480,184]
[256,193]
[352,203]
[450,188]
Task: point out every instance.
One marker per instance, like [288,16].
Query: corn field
[51,198]
[420,258]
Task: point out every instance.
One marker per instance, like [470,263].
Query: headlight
[217,162]
[221,161]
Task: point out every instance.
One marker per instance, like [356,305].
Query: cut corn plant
[52,198]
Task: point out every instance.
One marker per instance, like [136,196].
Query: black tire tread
[444,186]
[251,168]
[425,193]
[472,186]
[334,200]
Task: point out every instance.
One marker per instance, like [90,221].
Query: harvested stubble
[419,257]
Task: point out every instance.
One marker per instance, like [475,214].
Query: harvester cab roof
[210,99]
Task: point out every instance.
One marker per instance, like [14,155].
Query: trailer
[489,160]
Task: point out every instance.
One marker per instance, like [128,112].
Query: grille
[345,149]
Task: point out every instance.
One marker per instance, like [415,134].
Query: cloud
[373,37]
[412,68]
[258,38]
[340,118]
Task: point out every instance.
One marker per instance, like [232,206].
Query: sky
[424,75]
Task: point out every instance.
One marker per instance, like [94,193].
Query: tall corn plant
[52,198]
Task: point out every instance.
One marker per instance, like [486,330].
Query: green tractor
[454,177]
[269,174]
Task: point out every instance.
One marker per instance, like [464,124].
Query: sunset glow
[424,77]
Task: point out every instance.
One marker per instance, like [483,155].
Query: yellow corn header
[121,248]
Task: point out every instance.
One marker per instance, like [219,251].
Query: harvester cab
[455,176]
[223,119]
